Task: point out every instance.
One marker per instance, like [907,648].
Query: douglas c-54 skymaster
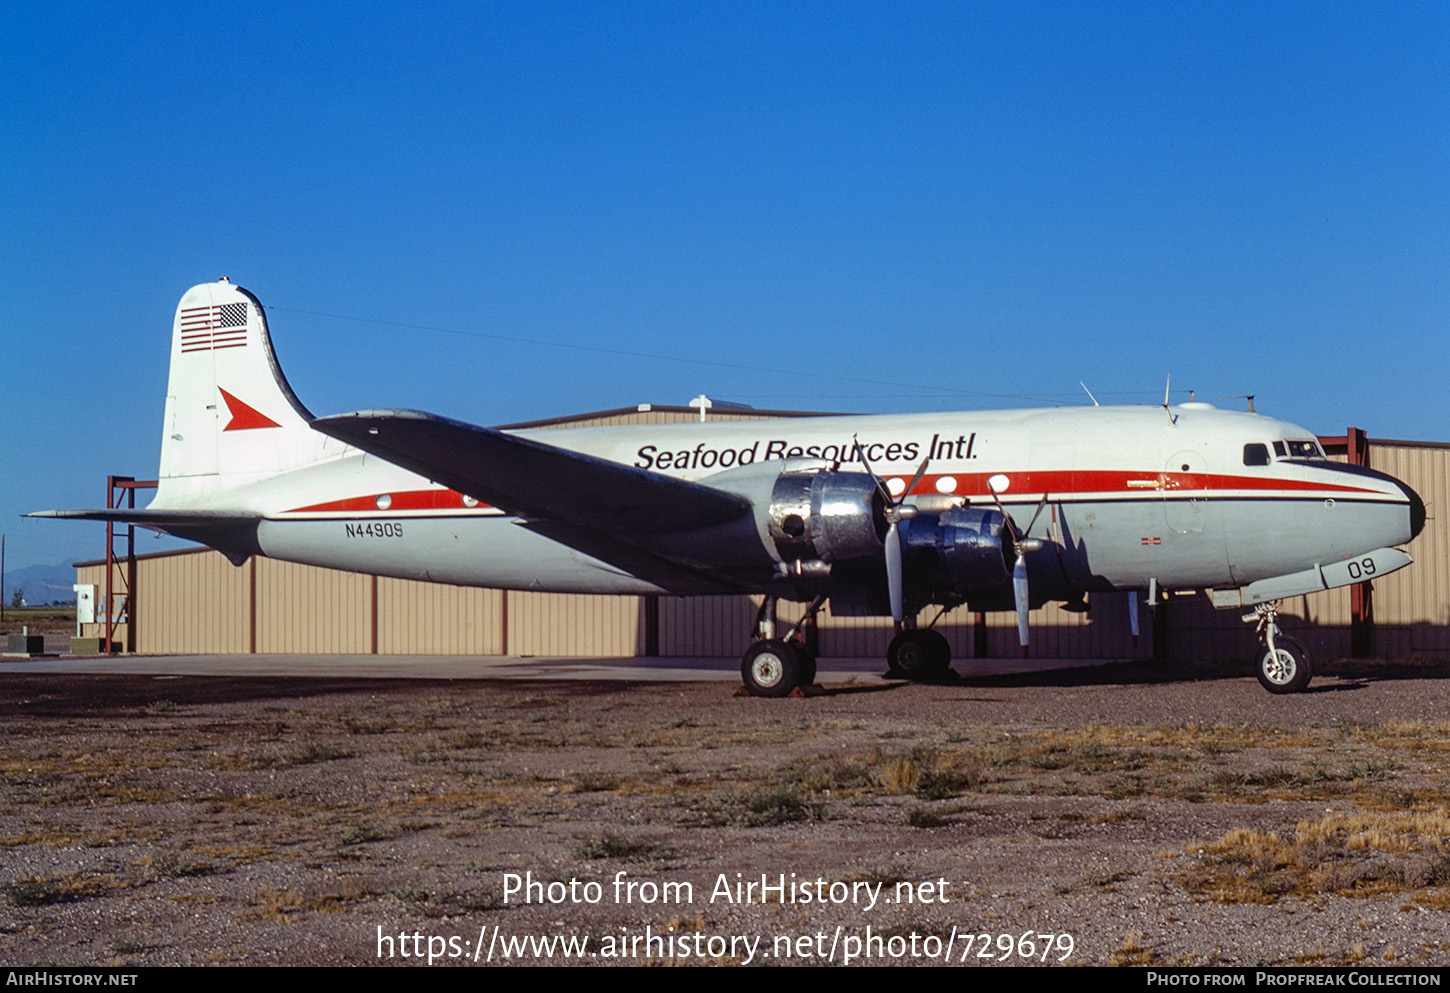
[880,515]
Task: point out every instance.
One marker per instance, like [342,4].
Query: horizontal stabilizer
[532,479]
[232,533]
[163,519]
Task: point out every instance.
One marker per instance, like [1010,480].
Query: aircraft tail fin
[231,417]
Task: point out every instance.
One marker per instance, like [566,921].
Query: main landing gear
[772,666]
[920,654]
[1282,664]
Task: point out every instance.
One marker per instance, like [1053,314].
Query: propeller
[998,484]
[895,510]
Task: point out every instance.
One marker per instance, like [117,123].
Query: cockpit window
[1256,454]
[1306,449]
[1281,450]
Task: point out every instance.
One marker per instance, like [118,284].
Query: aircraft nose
[1417,511]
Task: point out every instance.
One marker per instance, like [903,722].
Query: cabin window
[1256,454]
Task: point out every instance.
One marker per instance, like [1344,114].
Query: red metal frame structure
[120,488]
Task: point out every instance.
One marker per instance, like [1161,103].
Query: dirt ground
[1120,815]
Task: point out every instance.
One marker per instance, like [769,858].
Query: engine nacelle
[971,546]
[825,516]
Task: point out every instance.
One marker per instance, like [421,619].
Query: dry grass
[1363,854]
[285,906]
[40,891]
[1134,951]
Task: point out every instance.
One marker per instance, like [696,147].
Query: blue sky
[917,206]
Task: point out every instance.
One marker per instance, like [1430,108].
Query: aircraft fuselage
[1126,496]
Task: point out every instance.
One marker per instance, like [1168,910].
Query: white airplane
[884,514]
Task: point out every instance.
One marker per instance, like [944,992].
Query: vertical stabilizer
[230,415]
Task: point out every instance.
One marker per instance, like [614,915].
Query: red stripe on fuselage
[1057,483]
[1079,482]
[403,500]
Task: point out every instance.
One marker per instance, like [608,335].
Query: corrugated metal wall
[302,609]
[559,624]
[198,602]
[429,619]
[1412,606]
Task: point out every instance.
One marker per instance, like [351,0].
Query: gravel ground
[1113,816]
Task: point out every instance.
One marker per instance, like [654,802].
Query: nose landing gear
[1282,664]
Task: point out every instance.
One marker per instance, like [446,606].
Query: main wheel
[807,674]
[1287,669]
[919,654]
[771,668]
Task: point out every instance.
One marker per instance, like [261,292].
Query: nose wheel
[1282,664]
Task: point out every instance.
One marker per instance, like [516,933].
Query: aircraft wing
[532,479]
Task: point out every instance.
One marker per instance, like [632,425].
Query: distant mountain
[42,584]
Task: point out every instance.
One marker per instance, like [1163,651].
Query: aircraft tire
[1287,670]
[771,668]
[919,654]
[808,665]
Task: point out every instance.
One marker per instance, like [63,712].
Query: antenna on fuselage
[1089,393]
[1247,397]
[1167,386]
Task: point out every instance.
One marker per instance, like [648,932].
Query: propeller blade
[1011,525]
[893,572]
[1036,514]
[1019,593]
[920,471]
[880,483]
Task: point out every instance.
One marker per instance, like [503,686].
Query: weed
[779,806]
[360,834]
[38,891]
[924,817]
[610,846]
[161,707]
[1133,952]
[175,867]
[593,782]
[928,773]
[314,752]
[468,739]
[761,808]
[1360,854]
[826,773]
[1102,880]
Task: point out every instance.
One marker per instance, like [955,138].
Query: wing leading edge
[533,479]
